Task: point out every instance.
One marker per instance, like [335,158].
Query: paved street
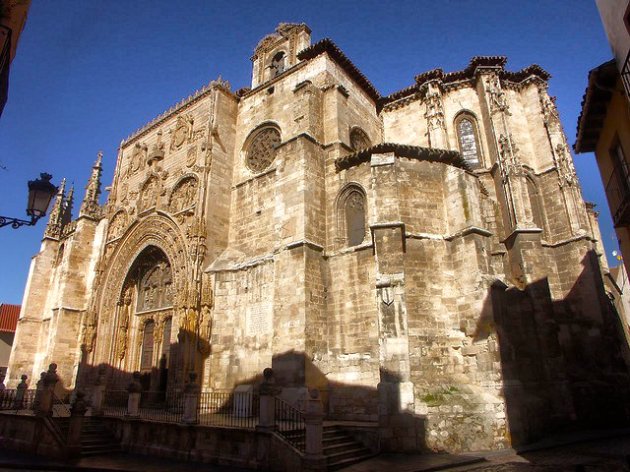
[583,452]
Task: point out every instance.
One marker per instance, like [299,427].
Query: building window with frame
[352,210]
[359,139]
[262,148]
[468,139]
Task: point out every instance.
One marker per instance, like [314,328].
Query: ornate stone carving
[550,112]
[117,225]
[183,195]
[262,149]
[496,96]
[191,156]
[148,194]
[137,158]
[155,230]
[124,304]
[510,164]
[434,109]
[90,206]
[566,171]
[155,288]
[182,133]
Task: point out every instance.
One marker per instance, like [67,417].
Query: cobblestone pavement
[603,455]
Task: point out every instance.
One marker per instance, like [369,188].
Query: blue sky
[89,73]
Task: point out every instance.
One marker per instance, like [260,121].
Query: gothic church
[423,258]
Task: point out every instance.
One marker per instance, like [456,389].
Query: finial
[55,220]
[90,206]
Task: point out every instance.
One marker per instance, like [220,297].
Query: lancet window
[468,139]
[352,211]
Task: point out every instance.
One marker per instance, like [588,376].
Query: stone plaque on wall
[258,319]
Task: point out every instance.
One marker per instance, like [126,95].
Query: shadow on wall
[562,361]
[559,362]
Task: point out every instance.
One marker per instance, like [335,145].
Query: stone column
[267,414]
[47,393]
[39,389]
[191,400]
[77,412]
[98,392]
[18,402]
[314,459]
[133,403]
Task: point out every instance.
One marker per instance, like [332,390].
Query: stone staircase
[341,449]
[96,439]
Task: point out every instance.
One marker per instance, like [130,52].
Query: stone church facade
[425,259]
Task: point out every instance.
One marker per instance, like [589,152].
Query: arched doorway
[143,334]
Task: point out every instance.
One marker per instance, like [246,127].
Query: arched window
[262,148]
[352,210]
[468,139]
[146,357]
[277,65]
[359,139]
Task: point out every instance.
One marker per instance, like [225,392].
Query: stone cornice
[443,156]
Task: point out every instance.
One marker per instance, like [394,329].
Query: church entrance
[144,322]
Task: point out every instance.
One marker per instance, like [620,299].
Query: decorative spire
[55,223]
[67,207]
[90,206]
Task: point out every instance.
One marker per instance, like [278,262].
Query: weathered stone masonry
[425,259]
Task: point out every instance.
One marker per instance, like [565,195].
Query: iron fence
[231,409]
[115,402]
[228,409]
[161,406]
[290,422]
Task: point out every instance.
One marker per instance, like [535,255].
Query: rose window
[262,150]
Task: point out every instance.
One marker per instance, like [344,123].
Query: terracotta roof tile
[326,45]
[9,315]
[595,100]
[445,156]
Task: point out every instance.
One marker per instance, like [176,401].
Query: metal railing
[115,402]
[618,195]
[11,401]
[290,422]
[161,407]
[231,409]
[60,407]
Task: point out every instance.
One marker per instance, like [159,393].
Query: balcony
[5,61]
[618,194]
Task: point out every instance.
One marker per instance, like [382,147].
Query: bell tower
[278,51]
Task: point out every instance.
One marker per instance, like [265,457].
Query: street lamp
[40,192]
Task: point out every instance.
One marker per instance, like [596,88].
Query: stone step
[341,447]
[349,461]
[357,451]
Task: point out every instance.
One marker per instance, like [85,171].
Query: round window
[262,150]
